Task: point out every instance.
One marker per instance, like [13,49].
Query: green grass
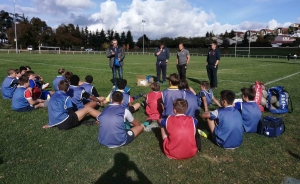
[30,154]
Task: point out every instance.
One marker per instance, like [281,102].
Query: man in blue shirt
[60,110]
[112,132]
[162,57]
[212,62]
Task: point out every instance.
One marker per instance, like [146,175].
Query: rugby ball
[273,99]
[263,101]
[277,104]
[263,87]
[265,94]
[272,107]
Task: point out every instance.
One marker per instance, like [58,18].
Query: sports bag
[279,100]
[258,87]
[270,126]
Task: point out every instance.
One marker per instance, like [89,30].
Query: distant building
[283,40]
[264,32]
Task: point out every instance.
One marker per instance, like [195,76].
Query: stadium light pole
[15,27]
[143,37]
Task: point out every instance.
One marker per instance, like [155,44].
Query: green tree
[123,38]
[117,37]
[231,34]
[129,39]
[207,34]
[6,22]
[139,43]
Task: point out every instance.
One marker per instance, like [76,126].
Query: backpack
[259,87]
[270,126]
[279,100]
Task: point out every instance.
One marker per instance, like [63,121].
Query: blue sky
[164,17]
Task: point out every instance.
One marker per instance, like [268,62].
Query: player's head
[28,68]
[117,97]
[63,85]
[68,75]
[74,80]
[204,85]
[22,69]
[180,106]
[30,74]
[174,79]
[181,46]
[114,43]
[161,45]
[214,44]
[248,94]
[89,79]
[227,97]
[183,84]
[24,81]
[155,86]
[61,71]
[121,84]
[11,72]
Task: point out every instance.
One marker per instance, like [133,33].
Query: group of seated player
[175,110]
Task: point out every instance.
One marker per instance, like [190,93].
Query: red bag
[258,87]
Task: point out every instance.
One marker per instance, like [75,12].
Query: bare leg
[92,104]
[40,105]
[137,130]
[211,125]
[87,110]
[163,133]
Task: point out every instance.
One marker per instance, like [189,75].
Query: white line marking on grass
[276,80]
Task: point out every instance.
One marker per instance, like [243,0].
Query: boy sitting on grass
[22,98]
[61,76]
[189,95]
[171,94]
[112,132]
[90,89]
[78,94]
[37,92]
[249,109]
[60,110]
[206,96]
[9,84]
[127,99]
[226,123]
[178,132]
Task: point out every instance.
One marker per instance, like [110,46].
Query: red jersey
[154,105]
[181,142]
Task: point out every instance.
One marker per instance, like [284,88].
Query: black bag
[270,126]
[198,141]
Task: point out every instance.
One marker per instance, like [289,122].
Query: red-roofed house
[264,32]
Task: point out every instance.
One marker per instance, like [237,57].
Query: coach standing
[183,59]
[116,55]
[162,57]
[212,63]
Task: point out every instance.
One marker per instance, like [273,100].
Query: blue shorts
[25,109]
[130,137]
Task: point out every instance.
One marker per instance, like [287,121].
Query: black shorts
[70,122]
[25,109]
[131,109]
[130,137]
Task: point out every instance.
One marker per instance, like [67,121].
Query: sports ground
[30,154]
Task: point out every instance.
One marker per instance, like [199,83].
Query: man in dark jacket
[212,63]
[162,54]
[116,55]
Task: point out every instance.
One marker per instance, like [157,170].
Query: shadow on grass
[194,80]
[157,133]
[1,160]
[287,62]
[293,154]
[118,173]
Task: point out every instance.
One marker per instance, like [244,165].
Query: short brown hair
[174,79]
[214,42]
[23,80]
[183,84]
[28,73]
[228,96]
[249,92]
[180,105]
[205,84]
[10,71]
[68,75]
[155,86]
[63,85]
[61,71]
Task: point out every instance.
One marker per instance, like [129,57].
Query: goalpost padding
[49,48]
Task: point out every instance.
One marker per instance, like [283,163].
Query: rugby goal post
[50,49]
[236,49]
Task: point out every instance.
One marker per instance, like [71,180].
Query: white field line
[276,80]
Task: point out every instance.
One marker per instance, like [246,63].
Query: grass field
[30,154]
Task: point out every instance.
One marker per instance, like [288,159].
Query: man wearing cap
[162,57]
[183,59]
[212,62]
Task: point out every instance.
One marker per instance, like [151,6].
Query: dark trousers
[212,75]
[114,72]
[182,71]
[161,66]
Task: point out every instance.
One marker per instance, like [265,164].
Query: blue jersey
[75,92]
[168,97]
[228,131]
[8,87]
[58,108]
[126,99]
[32,83]
[56,82]
[88,88]
[18,100]
[208,94]
[251,115]
[112,131]
[193,108]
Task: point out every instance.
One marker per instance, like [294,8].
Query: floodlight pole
[143,37]
[15,27]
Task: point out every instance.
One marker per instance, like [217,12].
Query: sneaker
[45,85]
[157,82]
[138,96]
[164,82]
[203,133]
[152,125]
